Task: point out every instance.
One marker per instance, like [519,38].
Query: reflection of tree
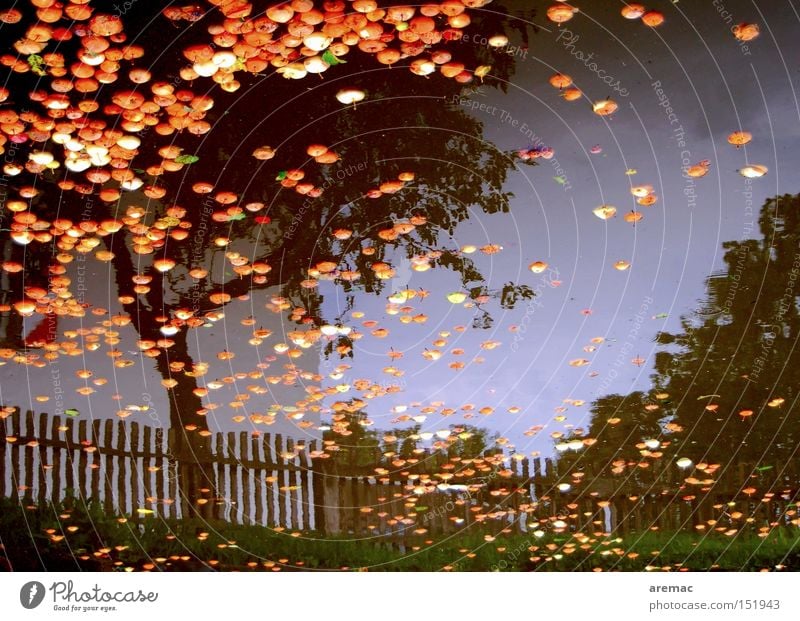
[725,386]
[353,446]
[742,348]
[469,442]
[408,123]
[618,424]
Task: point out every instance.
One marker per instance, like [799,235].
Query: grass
[73,536]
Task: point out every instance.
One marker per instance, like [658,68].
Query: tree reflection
[724,387]
[408,123]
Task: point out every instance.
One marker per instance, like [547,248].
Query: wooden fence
[132,469]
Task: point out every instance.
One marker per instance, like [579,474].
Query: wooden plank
[282,479]
[345,504]
[537,477]
[122,487]
[305,488]
[170,464]
[108,460]
[5,488]
[43,461]
[170,472]
[147,463]
[247,481]
[83,483]
[316,479]
[132,463]
[96,460]
[55,494]
[162,476]
[258,480]
[293,517]
[15,475]
[220,472]
[27,454]
[269,488]
[234,478]
[356,486]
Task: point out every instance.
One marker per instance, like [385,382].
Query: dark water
[478,304]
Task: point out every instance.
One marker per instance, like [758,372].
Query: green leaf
[36,62]
[187,159]
[763,468]
[71,412]
[331,58]
[560,180]
[281,176]
[660,316]
[237,216]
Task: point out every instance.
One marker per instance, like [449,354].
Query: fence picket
[55,490]
[147,473]
[94,466]
[258,479]
[282,481]
[247,480]
[233,469]
[43,465]
[83,484]
[108,486]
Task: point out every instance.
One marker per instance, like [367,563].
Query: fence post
[133,462]
[83,488]
[258,480]
[30,434]
[42,437]
[3,443]
[108,461]
[55,495]
[318,484]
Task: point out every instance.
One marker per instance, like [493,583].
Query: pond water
[451,231]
